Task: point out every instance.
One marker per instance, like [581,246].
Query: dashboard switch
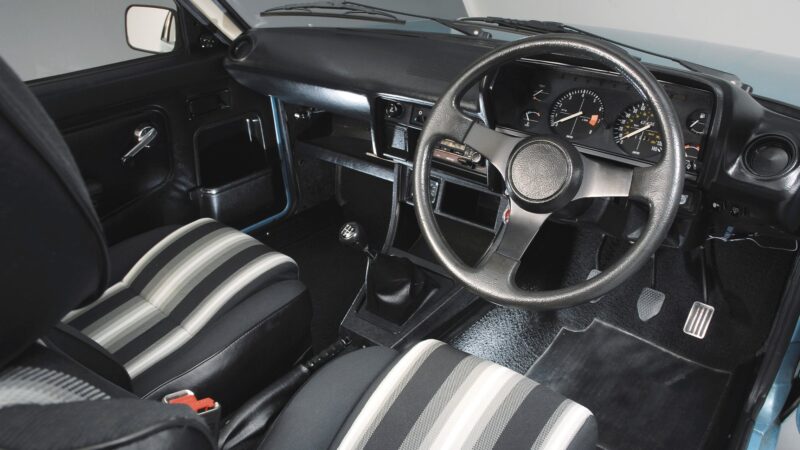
[394,110]
[419,116]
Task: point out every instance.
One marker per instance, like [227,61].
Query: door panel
[98,111]
[98,148]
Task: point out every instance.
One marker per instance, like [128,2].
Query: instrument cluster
[597,110]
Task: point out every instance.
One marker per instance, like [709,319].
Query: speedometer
[636,131]
[576,114]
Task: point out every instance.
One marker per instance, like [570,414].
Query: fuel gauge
[698,122]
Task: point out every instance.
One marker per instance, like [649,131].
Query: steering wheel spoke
[493,145]
[518,232]
[645,184]
[604,179]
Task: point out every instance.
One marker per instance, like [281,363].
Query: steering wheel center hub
[544,174]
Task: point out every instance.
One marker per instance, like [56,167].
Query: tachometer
[637,132]
[576,114]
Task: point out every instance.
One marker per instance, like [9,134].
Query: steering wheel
[544,173]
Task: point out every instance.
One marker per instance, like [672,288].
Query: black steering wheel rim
[659,186]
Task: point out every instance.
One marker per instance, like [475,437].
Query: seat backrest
[55,256]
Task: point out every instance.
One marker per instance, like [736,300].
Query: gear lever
[352,234]
[395,287]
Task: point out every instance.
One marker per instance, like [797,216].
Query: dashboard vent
[241,48]
[770,156]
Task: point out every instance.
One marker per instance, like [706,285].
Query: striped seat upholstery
[436,397]
[177,288]
[42,386]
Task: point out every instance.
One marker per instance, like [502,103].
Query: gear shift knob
[352,235]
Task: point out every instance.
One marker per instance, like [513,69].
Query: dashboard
[599,112]
[375,88]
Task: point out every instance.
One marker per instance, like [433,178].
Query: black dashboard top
[745,150]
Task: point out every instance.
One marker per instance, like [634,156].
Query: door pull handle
[144,137]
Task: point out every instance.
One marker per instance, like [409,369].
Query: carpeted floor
[745,285]
[332,273]
[642,396]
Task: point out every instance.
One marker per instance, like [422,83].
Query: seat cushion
[204,291]
[437,397]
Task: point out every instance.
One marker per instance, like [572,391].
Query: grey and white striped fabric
[177,288]
[40,386]
[436,397]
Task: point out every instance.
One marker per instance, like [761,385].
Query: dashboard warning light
[594,119]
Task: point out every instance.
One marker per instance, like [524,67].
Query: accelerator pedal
[649,303]
[698,320]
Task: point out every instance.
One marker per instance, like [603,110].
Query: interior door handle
[144,137]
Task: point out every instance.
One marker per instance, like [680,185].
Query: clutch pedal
[592,274]
[698,320]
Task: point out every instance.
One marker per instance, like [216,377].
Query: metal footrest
[698,320]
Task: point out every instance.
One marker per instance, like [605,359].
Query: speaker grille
[770,156]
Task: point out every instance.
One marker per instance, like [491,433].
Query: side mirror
[150,29]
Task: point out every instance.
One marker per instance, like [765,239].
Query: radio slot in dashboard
[399,126]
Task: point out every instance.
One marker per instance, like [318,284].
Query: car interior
[375,237]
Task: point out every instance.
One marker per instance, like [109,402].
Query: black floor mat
[642,396]
[745,287]
[332,273]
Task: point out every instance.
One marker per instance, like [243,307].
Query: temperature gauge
[540,92]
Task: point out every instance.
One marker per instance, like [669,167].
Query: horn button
[544,174]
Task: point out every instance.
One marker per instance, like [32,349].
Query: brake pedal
[649,303]
[592,274]
[698,320]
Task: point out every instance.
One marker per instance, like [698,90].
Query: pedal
[591,275]
[698,320]
[649,303]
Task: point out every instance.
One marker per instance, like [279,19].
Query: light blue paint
[767,428]
[284,152]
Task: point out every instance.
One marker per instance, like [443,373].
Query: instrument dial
[692,154]
[530,118]
[576,114]
[637,132]
[698,122]
[540,92]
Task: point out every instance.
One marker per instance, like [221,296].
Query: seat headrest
[52,245]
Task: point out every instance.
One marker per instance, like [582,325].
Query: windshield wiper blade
[539,26]
[464,28]
[336,10]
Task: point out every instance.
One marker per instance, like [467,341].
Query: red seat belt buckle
[187,397]
[198,405]
[208,409]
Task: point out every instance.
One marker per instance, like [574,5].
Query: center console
[406,294]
